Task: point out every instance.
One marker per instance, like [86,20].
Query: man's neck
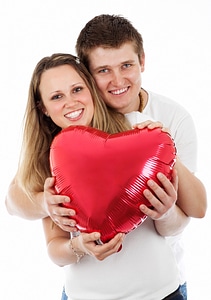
[144,97]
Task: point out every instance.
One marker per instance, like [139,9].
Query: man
[112,49]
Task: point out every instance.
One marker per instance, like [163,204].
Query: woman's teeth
[74,114]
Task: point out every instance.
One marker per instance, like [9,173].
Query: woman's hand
[86,243]
[52,202]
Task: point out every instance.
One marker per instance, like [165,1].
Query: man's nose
[117,78]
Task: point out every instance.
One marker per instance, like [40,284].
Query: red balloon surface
[105,175]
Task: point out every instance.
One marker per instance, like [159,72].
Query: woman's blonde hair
[39,130]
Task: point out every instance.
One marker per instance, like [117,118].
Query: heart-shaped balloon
[105,174]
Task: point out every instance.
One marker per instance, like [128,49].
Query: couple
[61,94]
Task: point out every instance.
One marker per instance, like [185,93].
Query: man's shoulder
[160,102]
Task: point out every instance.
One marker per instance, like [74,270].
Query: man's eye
[125,66]
[103,71]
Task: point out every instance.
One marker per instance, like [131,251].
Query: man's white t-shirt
[174,117]
[146,268]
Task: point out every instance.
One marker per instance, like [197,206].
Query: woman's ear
[46,113]
[44,110]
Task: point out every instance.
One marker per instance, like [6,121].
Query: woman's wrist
[77,252]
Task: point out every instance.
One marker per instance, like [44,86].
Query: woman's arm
[64,251]
[58,243]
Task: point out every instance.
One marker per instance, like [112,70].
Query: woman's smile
[75,115]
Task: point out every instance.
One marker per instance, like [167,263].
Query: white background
[177,44]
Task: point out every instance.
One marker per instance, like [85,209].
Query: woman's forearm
[61,249]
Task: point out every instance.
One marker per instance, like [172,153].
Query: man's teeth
[74,114]
[118,92]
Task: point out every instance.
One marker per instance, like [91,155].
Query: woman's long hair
[39,130]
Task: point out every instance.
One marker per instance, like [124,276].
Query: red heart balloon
[105,175]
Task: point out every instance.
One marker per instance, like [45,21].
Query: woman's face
[66,98]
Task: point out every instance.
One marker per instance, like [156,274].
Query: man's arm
[175,202]
[19,204]
[43,204]
[168,218]
[192,198]
[172,223]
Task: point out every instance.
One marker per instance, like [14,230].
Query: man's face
[117,72]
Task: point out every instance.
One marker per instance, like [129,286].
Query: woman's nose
[70,100]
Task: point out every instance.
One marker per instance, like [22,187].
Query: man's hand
[151,125]
[162,198]
[52,203]
[168,218]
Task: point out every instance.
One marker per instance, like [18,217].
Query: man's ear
[142,62]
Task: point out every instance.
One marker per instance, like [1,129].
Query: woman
[62,93]
[42,125]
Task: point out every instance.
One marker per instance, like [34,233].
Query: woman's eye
[77,89]
[56,97]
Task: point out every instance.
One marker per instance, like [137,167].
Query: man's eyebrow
[129,61]
[101,67]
